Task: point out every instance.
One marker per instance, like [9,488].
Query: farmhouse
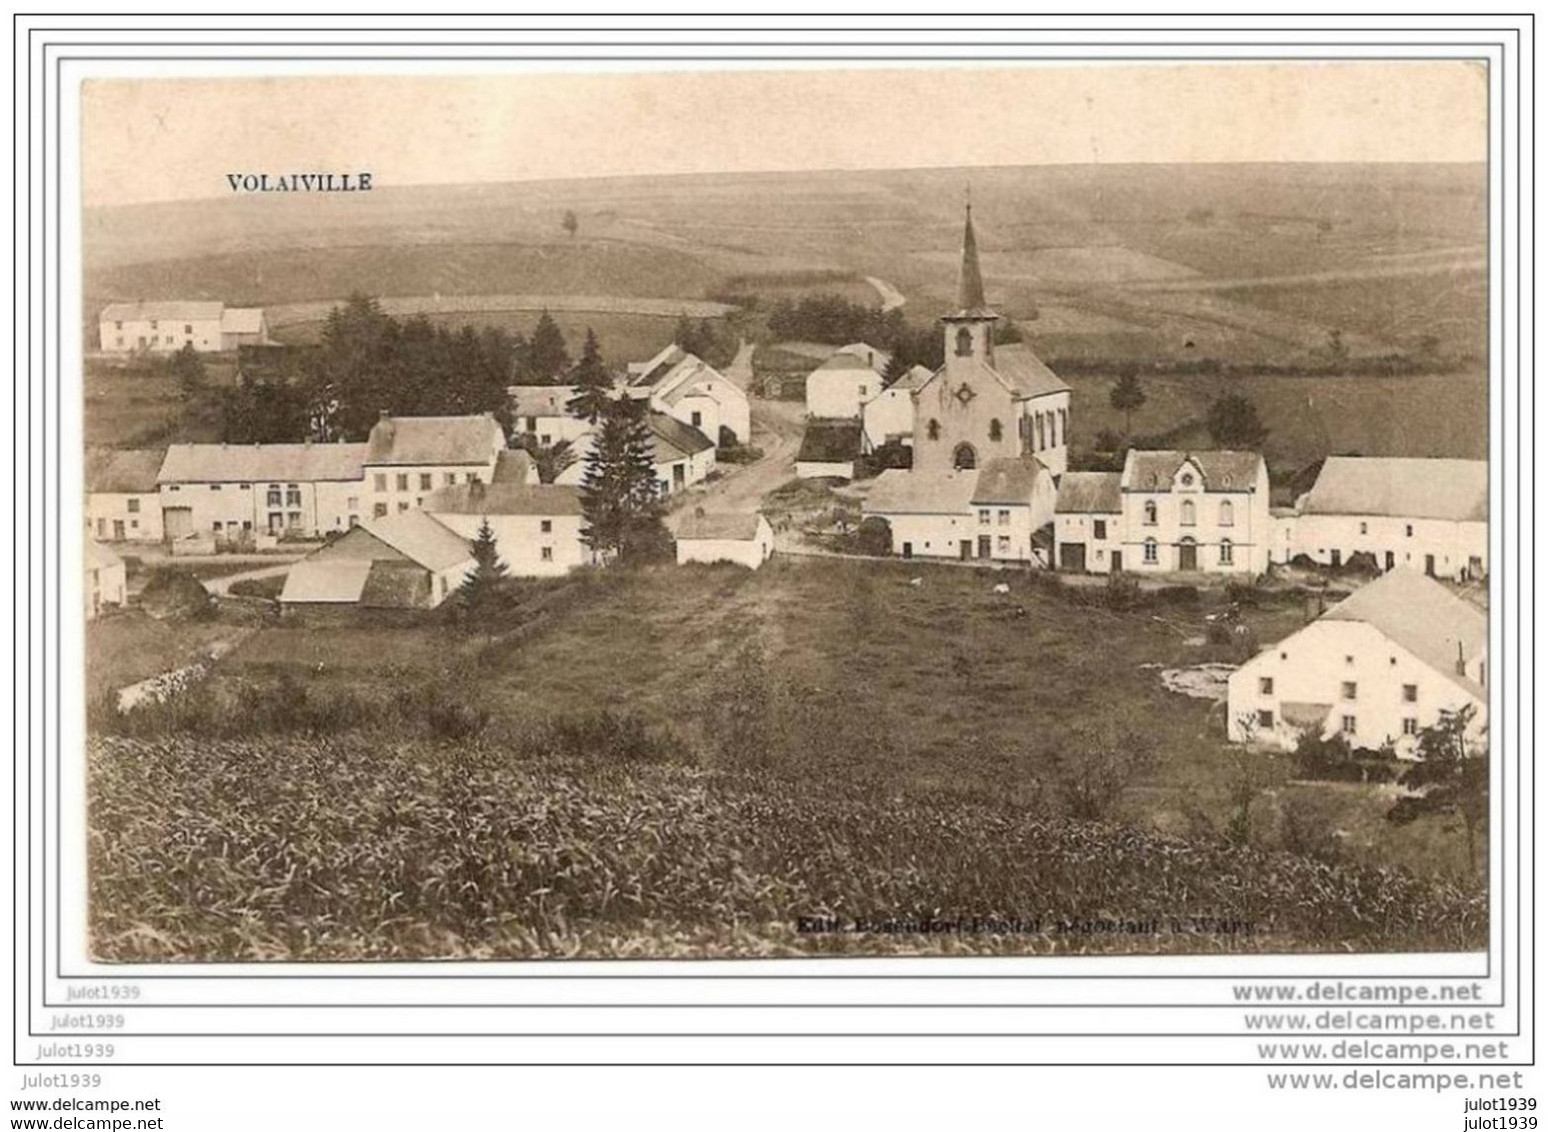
[829,448]
[1193,511]
[230,492]
[1376,669]
[999,512]
[163,327]
[1419,514]
[106,579]
[404,560]
[888,418]
[841,386]
[746,540]
[537,529]
[542,414]
[122,500]
[690,390]
[1088,522]
[406,458]
[682,455]
[987,401]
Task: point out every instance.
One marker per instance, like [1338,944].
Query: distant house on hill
[405,560]
[829,448]
[746,540]
[1378,667]
[537,528]
[692,391]
[168,326]
[123,502]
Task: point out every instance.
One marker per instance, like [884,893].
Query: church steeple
[970,282]
[970,328]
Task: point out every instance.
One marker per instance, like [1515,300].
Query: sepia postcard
[903,510]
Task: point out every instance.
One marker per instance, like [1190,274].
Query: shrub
[608,735]
[874,537]
[1122,592]
[267,588]
[1178,595]
[1099,765]
[177,594]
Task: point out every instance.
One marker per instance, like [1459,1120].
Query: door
[908,550]
[1187,555]
[118,529]
[1429,565]
[1336,558]
[985,546]
[679,476]
[1391,560]
[1072,557]
[1117,562]
[178,521]
[967,549]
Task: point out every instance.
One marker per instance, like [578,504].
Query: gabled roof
[503,499]
[672,440]
[845,362]
[913,379]
[1424,617]
[877,359]
[1008,480]
[241,320]
[396,585]
[830,441]
[259,463]
[1221,470]
[331,580]
[541,400]
[691,375]
[419,538]
[513,465]
[123,470]
[723,526]
[434,440]
[645,373]
[899,491]
[173,310]
[1401,487]
[1093,493]
[1025,372]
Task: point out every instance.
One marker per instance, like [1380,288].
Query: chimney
[1461,661]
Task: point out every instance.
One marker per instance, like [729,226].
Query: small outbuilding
[106,579]
[746,540]
[829,449]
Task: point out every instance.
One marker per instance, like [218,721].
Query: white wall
[396,494]
[818,469]
[105,585]
[931,536]
[1452,543]
[165,337]
[889,414]
[1053,447]
[1249,532]
[139,512]
[840,392]
[521,541]
[695,469]
[306,508]
[1311,666]
[751,553]
[1081,528]
[551,429]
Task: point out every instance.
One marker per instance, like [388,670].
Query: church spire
[970,283]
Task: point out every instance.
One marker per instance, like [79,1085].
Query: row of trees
[1232,419]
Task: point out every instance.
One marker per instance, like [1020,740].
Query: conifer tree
[546,355]
[593,387]
[481,588]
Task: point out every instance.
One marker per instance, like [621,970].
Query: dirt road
[777,427]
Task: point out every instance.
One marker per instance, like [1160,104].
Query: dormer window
[1187,479]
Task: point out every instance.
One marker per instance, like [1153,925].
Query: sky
[177,139]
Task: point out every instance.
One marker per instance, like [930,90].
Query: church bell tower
[970,329]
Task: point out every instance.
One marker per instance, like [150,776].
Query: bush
[1107,441]
[1122,592]
[608,735]
[268,588]
[176,594]
[874,537]
[1178,595]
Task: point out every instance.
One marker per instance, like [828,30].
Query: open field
[127,647]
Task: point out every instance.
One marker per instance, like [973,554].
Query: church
[991,438]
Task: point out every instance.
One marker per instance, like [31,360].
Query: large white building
[1178,512]
[888,418]
[164,327]
[996,513]
[123,503]
[232,492]
[692,391]
[406,458]
[537,528]
[1377,668]
[1428,515]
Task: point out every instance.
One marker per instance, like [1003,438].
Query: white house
[682,455]
[542,413]
[1428,515]
[840,386]
[405,560]
[409,457]
[1376,668]
[746,540]
[1186,512]
[829,449]
[690,390]
[123,502]
[243,326]
[230,492]
[537,529]
[998,513]
[160,327]
[1088,523]
[106,579]
[889,416]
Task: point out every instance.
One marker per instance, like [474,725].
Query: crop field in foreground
[375,849]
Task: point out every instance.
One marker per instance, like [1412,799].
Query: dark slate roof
[504,499]
[1008,479]
[260,463]
[434,440]
[1089,493]
[1407,488]
[396,585]
[673,440]
[123,470]
[830,441]
[719,525]
[1221,470]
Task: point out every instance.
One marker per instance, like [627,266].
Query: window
[996,432]
[1265,685]
[403,506]
[983,516]
[474,477]
[134,506]
[964,458]
[1189,518]
[546,554]
[379,511]
[547,526]
[214,487]
[1040,434]
[187,328]
[274,495]
[1409,530]
[215,526]
[933,429]
[119,325]
[1150,512]
[381,481]
[547,438]
[352,503]
[1365,528]
[1227,553]
[245,486]
[293,520]
[1347,725]
[450,478]
[964,342]
[1410,725]
[1152,551]
[134,524]
[425,480]
[1004,517]
[292,495]
[1003,544]
[1099,528]
[531,424]
[1266,719]
[1064,424]
[1227,514]
[1410,693]
[1187,479]
[101,528]
[1348,660]
[1350,689]
[402,481]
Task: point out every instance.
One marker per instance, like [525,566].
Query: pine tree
[546,355]
[1127,396]
[593,387]
[619,497]
[480,590]
[188,369]
[1233,422]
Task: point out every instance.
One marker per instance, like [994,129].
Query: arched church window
[964,342]
[996,432]
[964,458]
[933,429]
[1150,512]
